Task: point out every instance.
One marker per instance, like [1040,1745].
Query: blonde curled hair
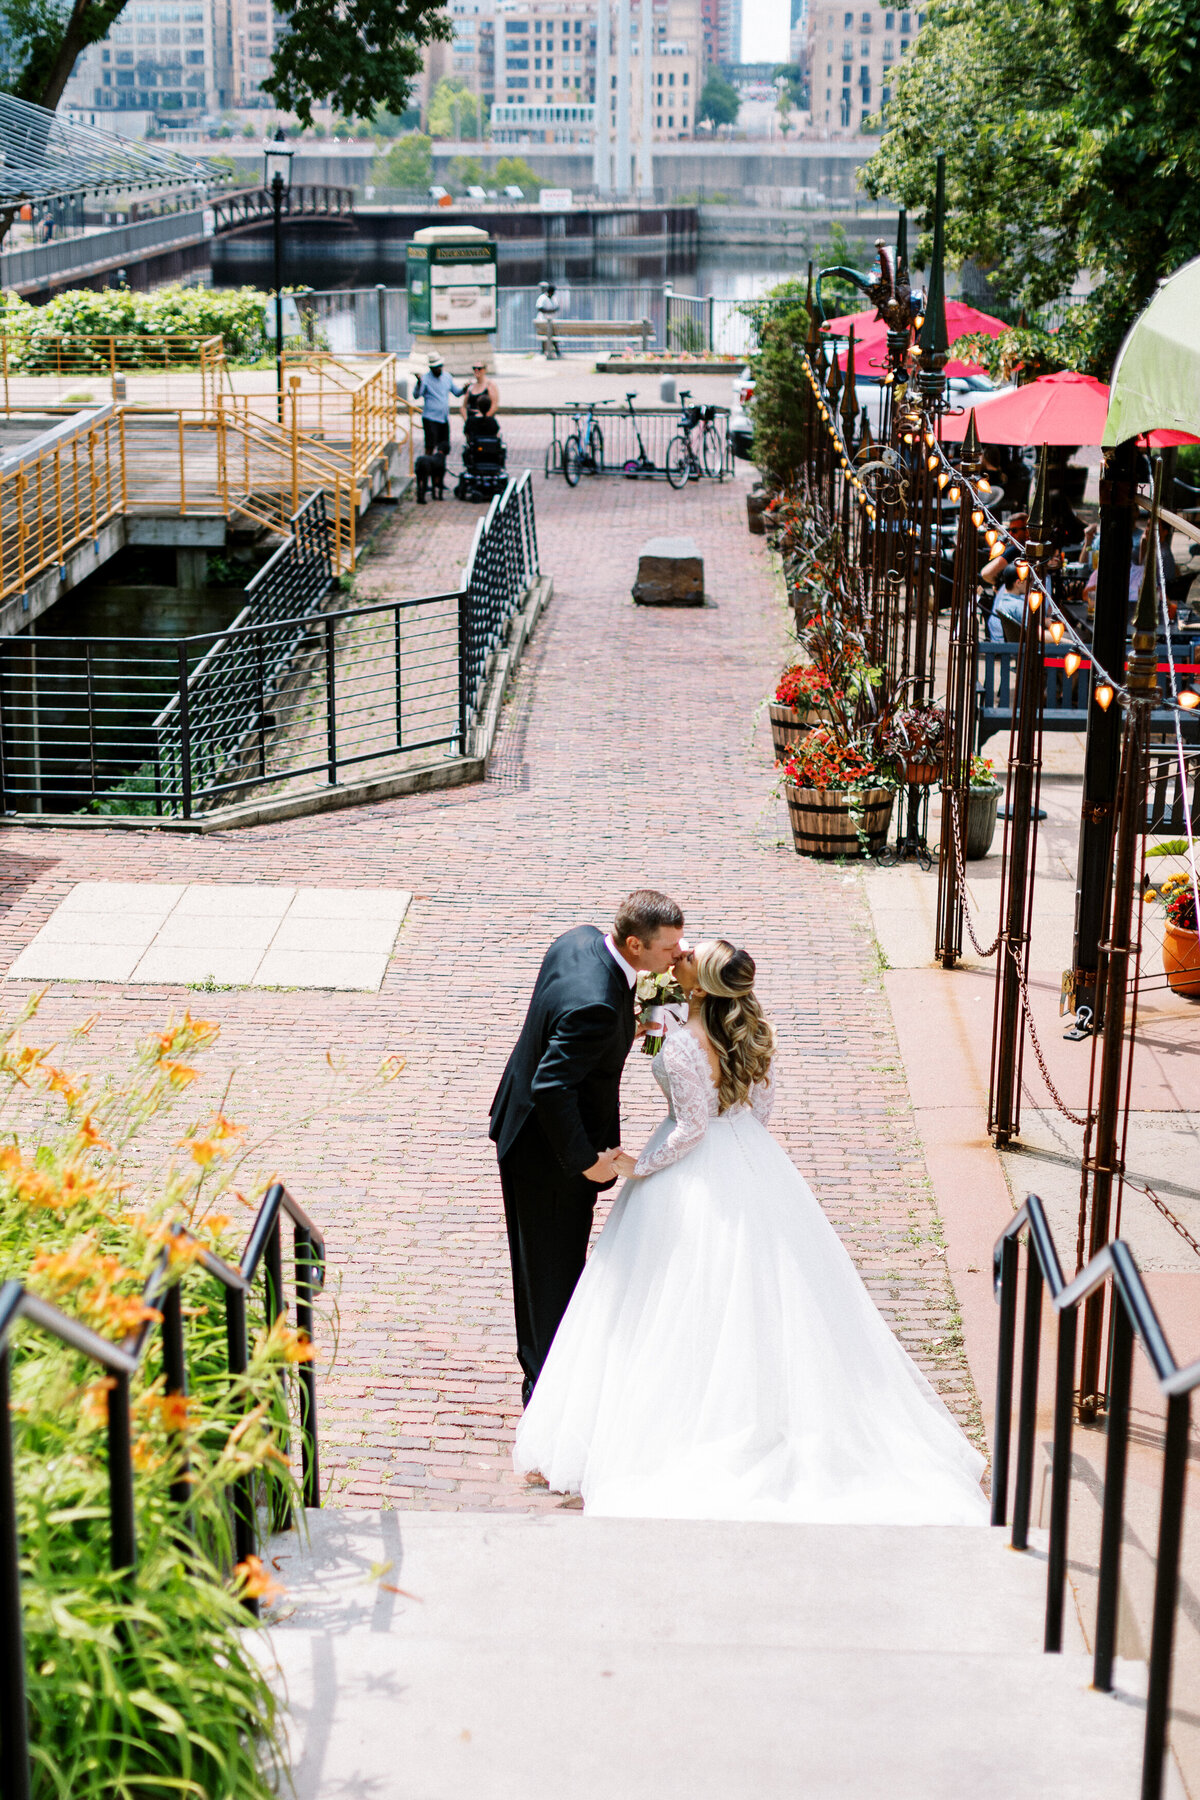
[734,1020]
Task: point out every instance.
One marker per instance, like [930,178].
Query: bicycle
[641,463]
[583,451]
[683,463]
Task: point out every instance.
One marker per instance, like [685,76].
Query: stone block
[670,573]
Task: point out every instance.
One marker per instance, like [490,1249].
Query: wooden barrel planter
[822,824]
[788,726]
[1181,960]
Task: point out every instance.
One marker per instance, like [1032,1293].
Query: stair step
[454,1656]
[534,1577]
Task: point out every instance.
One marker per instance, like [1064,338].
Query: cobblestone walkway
[625,757]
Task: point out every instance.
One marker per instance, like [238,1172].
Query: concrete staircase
[456,1656]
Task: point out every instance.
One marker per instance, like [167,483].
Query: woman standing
[481,400]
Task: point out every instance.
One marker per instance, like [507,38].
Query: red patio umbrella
[1063,408]
[870,337]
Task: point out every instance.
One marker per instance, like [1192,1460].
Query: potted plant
[915,740]
[802,700]
[982,798]
[837,803]
[1181,941]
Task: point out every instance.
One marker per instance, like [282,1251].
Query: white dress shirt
[611,947]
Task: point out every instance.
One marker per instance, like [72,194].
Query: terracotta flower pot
[921,774]
[1181,960]
[822,824]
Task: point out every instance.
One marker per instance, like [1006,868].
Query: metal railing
[56,493]
[43,371]
[264,1249]
[357,319]
[708,323]
[99,249]
[291,691]
[1132,1317]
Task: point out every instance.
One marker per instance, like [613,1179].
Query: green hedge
[235,314]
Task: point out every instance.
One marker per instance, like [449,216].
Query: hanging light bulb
[1104,694]
[1189,699]
[1035,600]
[931,462]
[918,321]
[955,495]
[977,516]
[1071,661]
[1022,569]
[889,378]
[1056,629]
[931,439]
[943,478]
[908,437]
[992,536]
[985,486]
[871,516]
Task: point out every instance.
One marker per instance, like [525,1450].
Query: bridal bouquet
[660,998]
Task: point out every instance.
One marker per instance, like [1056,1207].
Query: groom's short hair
[645,912]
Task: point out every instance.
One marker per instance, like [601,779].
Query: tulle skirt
[721,1359]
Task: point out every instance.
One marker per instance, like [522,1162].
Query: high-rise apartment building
[157,59]
[710,32]
[473,52]
[851,55]
[729,32]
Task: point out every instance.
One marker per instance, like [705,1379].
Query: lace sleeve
[691,1085]
[762,1099]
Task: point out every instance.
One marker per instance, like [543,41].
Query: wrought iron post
[14,1716]
[960,708]
[1103,753]
[931,385]
[1020,834]
[1104,1165]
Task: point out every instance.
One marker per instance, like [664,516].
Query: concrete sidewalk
[943,1024]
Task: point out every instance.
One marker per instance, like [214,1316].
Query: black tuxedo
[557,1107]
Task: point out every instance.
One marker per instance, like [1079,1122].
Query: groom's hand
[604,1168]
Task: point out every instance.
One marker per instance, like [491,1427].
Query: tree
[783,106]
[407,164]
[467,171]
[454,112]
[719,102]
[360,55]
[1072,140]
[778,370]
[797,82]
[514,171]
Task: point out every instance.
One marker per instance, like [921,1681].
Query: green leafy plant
[514,171]
[408,163]
[140,1683]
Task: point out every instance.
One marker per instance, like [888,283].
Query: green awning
[1156,379]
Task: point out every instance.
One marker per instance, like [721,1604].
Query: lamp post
[277,179]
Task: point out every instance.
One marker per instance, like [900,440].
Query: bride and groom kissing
[717,1355]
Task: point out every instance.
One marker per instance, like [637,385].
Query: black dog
[431,477]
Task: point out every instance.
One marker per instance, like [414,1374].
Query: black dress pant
[437,436]
[549,1217]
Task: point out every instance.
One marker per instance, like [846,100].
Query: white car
[965,391]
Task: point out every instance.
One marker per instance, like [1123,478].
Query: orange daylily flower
[256,1583]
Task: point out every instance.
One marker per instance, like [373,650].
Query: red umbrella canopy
[870,337]
[1063,408]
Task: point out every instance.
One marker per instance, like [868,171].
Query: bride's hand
[624,1164]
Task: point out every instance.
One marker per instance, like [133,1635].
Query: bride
[720,1357]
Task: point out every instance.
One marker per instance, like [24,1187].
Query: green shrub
[140,1684]
[779,382]
[234,314]
[407,164]
[514,171]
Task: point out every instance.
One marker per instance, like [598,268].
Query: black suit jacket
[567,1065]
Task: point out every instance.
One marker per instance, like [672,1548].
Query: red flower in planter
[821,761]
[804,686]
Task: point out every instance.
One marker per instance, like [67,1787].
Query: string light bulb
[918,321]
[1071,661]
[931,462]
[1189,699]
[1103,696]
[1056,629]
[908,437]
[943,478]
[984,485]
[992,536]
[955,494]
[930,439]
[1035,600]
[977,516]
[1022,569]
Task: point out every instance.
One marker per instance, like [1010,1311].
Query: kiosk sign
[452,282]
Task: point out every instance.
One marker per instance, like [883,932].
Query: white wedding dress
[721,1358]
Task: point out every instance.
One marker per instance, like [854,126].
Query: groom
[556,1117]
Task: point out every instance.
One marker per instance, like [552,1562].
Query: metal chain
[962,882]
[1168,1215]
[1057,1098]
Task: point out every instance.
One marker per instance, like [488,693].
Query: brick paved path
[625,757]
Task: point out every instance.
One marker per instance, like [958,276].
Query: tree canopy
[359,55]
[1072,143]
[719,100]
[454,112]
[408,163]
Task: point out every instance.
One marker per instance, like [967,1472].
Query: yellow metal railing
[57,494]
[63,372]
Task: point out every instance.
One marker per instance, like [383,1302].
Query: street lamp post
[277,179]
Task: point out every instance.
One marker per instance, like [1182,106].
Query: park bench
[552,329]
[1065,698]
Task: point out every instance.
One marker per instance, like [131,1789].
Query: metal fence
[704,323]
[624,436]
[292,692]
[97,249]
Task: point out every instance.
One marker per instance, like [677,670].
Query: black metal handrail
[1133,1316]
[263,1248]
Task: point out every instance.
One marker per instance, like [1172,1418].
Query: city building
[851,55]
[729,32]
[473,52]
[710,32]
[546,71]
[169,61]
